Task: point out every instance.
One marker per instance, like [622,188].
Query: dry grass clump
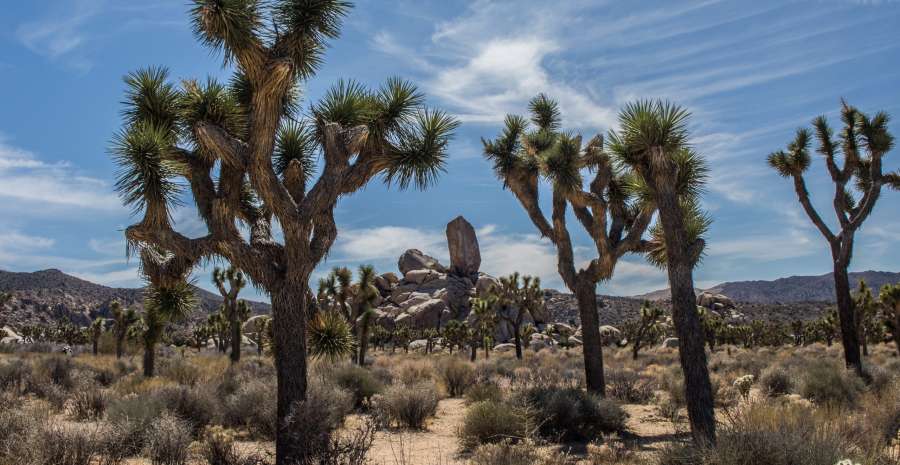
[90,404]
[628,386]
[252,406]
[825,382]
[515,453]
[491,422]
[455,375]
[168,441]
[407,405]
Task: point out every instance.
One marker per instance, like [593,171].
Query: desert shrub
[168,440]
[455,375]
[193,405]
[668,408]
[358,381]
[252,406]
[414,372]
[408,406]
[54,394]
[129,417]
[776,381]
[59,445]
[180,370]
[514,453]
[89,404]
[677,453]
[105,376]
[314,421]
[16,426]
[56,369]
[743,384]
[671,381]
[480,392]
[572,413]
[878,379]
[491,422]
[14,375]
[776,435]
[827,383]
[218,448]
[628,386]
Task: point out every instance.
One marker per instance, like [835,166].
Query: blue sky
[750,72]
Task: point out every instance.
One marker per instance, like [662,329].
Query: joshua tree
[229,283]
[653,142]
[247,155]
[335,292]
[364,301]
[96,331]
[862,143]
[200,335]
[828,327]
[218,327]
[517,302]
[712,325]
[485,311]
[609,211]
[647,327]
[866,309]
[163,304]
[123,320]
[890,306]
[454,334]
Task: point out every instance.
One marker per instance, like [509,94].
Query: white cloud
[53,187]
[768,247]
[60,36]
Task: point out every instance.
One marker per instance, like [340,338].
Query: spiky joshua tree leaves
[163,303]
[862,143]
[608,209]
[229,282]
[653,142]
[247,156]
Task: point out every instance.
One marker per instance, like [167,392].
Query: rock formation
[465,257]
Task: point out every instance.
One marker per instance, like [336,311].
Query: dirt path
[437,445]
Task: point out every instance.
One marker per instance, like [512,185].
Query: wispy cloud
[29,181]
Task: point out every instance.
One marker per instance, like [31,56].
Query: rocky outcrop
[465,257]
[414,259]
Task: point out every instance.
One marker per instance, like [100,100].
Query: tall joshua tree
[123,320]
[653,141]
[229,282]
[518,301]
[608,210]
[862,143]
[248,157]
[890,306]
[96,331]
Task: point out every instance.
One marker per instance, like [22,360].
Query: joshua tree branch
[527,193]
[565,255]
[803,196]
[230,150]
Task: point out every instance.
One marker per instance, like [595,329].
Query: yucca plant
[163,304]
[229,282]
[615,218]
[654,143]
[862,143]
[330,336]
[247,153]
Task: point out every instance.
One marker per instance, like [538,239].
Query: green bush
[193,405]
[408,406]
[828,383]
[776,381]
[314,421]
[252,406]
[571,413]
[130,417]
[490,422]
[358,381]
[456,375]
[179,370]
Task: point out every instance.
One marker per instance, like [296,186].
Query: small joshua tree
[485,311]
[866,310]
[123,320]
[454,334]
[862,143]
[96,331]
[163,304]
[518,301]
[609,210]
[364,302]
[647,327]
[229,283]
[890,307]
[248,156]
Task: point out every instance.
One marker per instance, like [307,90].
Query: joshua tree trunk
[235,337]
[289,308]
[120,344]
[94,346]
[698,389]
[473,353]
[149,359]
[586,295]
[849,335]
[517,338]
[363,342]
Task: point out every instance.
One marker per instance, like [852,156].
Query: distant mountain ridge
[47,295]
[793,289]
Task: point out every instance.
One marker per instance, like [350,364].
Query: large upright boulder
[414,259]
[465,257]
